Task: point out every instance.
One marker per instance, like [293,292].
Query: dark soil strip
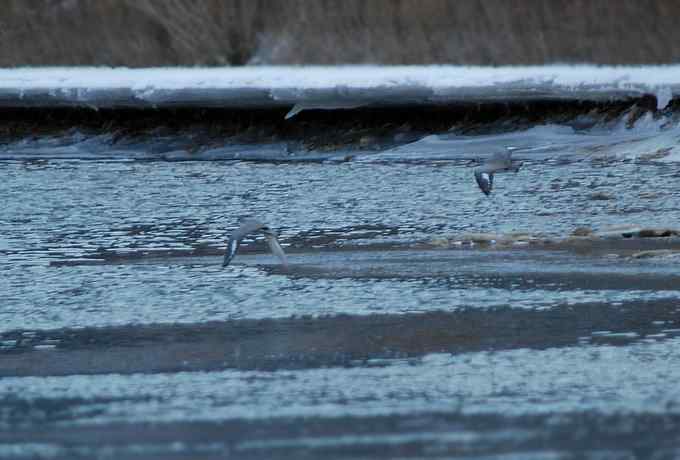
[314,129]
[298,343]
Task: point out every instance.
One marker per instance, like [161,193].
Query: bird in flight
[253,226]
[499,162]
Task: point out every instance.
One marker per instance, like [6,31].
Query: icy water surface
[92,211]
[121,336]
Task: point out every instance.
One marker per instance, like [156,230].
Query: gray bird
[499,162]
[253,226]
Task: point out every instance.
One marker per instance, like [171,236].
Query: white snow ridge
[329,87]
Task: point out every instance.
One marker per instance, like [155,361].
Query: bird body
[499,162]
[253,226]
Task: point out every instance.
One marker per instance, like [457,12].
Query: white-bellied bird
[253,226]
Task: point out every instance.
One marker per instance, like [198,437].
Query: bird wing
[276,249]
[246,227]
[251,226]
[232,247]
[484,180]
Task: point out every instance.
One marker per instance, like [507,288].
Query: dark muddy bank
[326,130]
[180,134]
[344,341]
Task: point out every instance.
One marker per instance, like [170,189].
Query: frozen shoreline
[302,88]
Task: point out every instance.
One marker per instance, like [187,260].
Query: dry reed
[238,32]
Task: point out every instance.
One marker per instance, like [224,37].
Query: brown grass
[237,32]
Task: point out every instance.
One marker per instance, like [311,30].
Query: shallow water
[91,242]
[554,385]
[514,383]
[64,209]
[195,289]
[92,211]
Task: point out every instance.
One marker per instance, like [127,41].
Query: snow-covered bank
[303,88]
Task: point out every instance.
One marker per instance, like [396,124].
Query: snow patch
[330,87]
[664,95]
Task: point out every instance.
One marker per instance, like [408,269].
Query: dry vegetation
[236,32]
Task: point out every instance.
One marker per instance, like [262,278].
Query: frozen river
[393,333]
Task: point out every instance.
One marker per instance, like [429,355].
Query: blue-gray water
[124,240]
